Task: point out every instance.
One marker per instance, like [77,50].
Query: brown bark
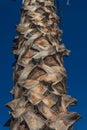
[40,98]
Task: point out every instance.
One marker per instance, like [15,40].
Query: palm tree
[40,98]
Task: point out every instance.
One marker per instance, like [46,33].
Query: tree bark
[40,99]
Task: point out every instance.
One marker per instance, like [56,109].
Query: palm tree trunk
[40,98]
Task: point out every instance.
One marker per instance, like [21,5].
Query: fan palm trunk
[40,99]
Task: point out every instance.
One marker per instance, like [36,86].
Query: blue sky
[74,25]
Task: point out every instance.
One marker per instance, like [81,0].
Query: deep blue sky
[74,25]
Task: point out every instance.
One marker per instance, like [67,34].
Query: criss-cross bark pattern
[40,98]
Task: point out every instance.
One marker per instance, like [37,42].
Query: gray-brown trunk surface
[40,99]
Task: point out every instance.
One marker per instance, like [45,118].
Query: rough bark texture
[40,98]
